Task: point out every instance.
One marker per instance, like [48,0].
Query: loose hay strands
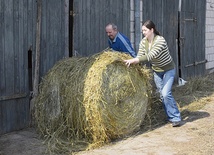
[86,102]
[196,93]
[191,97]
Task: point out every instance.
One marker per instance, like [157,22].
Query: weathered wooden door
[182,23]
[164,13]
[16,42]
[192,38]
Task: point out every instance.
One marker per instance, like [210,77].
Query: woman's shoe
[176,124]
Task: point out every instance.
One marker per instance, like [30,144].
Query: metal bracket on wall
[72,13]
[181,39]
[191,20]
[196,63]
[14,96]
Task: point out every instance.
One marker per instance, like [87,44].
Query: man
[117,41]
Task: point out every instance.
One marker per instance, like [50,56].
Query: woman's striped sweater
[158,55]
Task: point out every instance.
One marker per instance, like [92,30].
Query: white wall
[209,36]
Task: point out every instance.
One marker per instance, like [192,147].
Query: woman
[153,48]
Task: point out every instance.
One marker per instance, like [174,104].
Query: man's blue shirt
[122,44]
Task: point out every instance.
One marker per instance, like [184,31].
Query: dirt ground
[194,137]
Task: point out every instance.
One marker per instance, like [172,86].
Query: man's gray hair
[113,26]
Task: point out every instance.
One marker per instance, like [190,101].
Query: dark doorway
[71,20]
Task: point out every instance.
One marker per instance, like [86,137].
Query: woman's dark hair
[150,25]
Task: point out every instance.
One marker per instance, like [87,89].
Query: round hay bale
[91,100]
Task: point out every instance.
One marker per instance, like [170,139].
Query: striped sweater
[158,55]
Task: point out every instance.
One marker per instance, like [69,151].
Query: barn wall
[54,33]
[209,36]
[135,23]
[165,18]
[192,38]
[90,19]
[18,50]
[17,27]
[185,36]
[18,34]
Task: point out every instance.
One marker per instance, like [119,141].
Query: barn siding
[177,27]
[90,19]
[192,32]
[165,18]
[200,35]
[209,33]
[16,29]
[18,35]
[54,44]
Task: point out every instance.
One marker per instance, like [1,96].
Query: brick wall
[209,36]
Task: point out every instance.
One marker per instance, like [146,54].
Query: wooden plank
[94,26]
[74,27]
[37,59]
[81,35]
[104,10]
[24,46]
[65,28]
[193,48]
[28,59]
[125,16]
[2,48]
[170,26]
[78,32]
[18,39]
[187,49]
[200,35]
[44,36]
[88,34]
[14,96]
[188,5]
[9,47]
[14,113]
[138,25]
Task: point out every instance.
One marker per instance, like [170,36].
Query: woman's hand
[131,61]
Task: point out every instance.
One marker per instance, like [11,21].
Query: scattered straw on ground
[194,95]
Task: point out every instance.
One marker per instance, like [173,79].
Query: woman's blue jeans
[164,82]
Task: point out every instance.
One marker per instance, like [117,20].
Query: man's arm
[126,46]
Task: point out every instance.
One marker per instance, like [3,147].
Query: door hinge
[196,63]
[191,19]
[14,96]
[181,40]
[72,13]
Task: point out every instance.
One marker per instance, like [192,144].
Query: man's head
[111,30]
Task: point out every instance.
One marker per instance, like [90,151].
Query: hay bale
[91,100]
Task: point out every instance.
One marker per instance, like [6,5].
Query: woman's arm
[132,61]
[141,56]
